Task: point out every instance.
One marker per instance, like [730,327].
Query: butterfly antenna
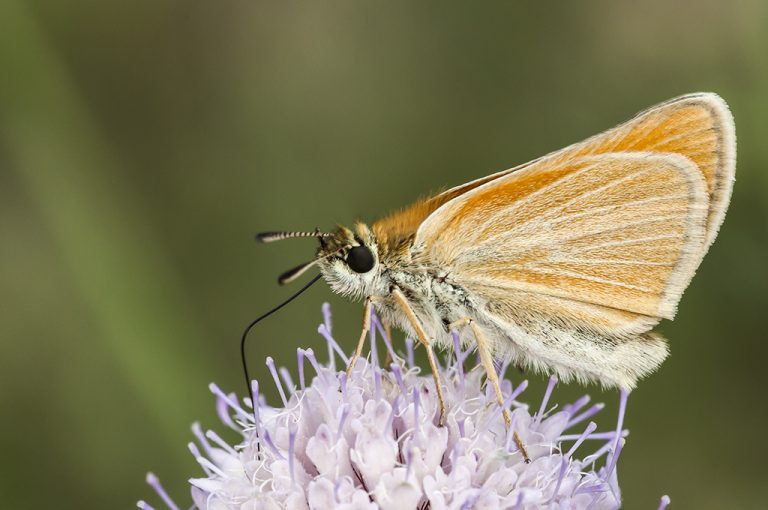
[269,237]
[251,325]
[293,274]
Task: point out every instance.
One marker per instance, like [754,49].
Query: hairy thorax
[436,300]
[434,296]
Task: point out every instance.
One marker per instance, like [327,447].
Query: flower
[371,441]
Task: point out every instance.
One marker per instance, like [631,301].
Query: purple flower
[372,442]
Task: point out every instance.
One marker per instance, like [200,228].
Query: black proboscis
[256,321]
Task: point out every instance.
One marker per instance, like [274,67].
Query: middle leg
[405,306]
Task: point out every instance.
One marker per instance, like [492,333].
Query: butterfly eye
[360,259]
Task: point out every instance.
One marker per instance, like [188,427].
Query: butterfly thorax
[435,297]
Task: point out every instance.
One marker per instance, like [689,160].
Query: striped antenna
[268,237]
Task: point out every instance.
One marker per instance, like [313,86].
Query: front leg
[406,308]
[367,312]
[366,329]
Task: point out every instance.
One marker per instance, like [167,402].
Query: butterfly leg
[487,361]
[402,302]
[366,328]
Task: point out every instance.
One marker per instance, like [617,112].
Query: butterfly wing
[575,260]
[618,230]
[698,126]
[692,133]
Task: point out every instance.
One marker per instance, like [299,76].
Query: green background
[143,143]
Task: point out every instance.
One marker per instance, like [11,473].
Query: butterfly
[563,264]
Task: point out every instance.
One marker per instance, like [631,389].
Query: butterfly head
[347,258]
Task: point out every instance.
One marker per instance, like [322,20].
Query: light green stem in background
[106,245]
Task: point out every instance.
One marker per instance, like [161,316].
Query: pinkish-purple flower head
[372,441]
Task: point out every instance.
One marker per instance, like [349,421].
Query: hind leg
[487,361]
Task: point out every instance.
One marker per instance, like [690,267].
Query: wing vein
[594,279]
[624,242]
[684,134]
[648,221]
[628,262]
[604,208]
[554,212]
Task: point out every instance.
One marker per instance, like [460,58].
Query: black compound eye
[360,259]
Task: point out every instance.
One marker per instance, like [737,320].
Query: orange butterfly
[562,264]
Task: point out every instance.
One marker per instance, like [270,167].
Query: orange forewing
[618,230]
[697,126]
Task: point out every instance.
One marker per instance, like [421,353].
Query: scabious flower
[372,441]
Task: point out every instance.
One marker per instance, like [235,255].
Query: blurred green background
[143,143]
